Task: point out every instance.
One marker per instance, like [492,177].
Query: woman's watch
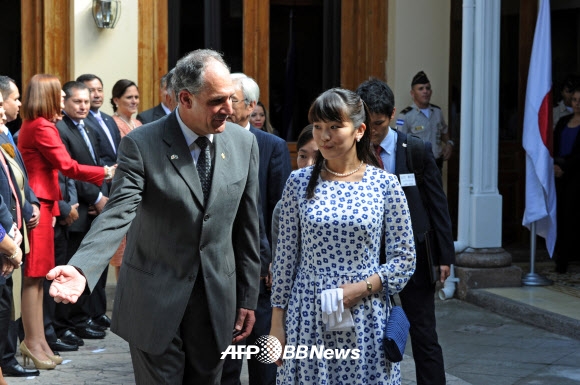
[369,285]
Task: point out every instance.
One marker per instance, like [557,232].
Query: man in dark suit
[29,212]
[81,145]
[275,167]
[186,189]
[108,137]
[103,125]
[168,104]
[428,207]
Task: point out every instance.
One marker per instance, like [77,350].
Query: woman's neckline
[343,180]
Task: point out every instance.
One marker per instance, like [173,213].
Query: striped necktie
[81,127]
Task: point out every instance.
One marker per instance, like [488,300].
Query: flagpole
[533,279]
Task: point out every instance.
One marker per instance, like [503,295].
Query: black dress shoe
[70,338]
[61,346]
[17,370]
[93,325]
[103,320]
[89,333]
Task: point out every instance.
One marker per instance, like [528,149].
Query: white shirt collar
[73,120]
[189,135]
[389,143]
[165,108]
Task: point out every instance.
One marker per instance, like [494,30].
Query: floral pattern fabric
[330,240]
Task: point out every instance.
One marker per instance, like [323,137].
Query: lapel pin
[174,157]
[404,144]
[223,155]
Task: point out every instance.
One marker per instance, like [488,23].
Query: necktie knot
[202,142]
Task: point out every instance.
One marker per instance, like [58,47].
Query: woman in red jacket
[44,155]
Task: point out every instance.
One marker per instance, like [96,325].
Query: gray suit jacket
[156,191]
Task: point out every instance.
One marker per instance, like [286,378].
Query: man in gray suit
[182,279]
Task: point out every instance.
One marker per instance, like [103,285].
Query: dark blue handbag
[396,333]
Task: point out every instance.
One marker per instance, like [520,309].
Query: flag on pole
[537,135]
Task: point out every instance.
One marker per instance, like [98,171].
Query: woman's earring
[358,139]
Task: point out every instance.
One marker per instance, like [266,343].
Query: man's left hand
[35,218]
[244,323]
[445,271]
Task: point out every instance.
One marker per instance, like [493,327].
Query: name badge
[407,180]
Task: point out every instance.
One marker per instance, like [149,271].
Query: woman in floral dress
[336,215]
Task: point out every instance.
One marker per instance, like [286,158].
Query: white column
[486,202]
[467,70]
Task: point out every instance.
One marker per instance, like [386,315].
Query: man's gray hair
[5,86]
[168,80]
[249,87]
[189,73]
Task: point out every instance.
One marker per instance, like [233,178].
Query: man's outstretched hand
[68,284]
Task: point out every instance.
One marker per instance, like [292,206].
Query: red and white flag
[538,135]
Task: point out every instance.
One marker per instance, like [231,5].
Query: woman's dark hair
[304,137]
[119,89]
[340,105]
[267,125]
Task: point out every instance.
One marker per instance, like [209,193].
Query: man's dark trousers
[259,373]
[419,305]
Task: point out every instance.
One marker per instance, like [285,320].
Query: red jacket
[44,155]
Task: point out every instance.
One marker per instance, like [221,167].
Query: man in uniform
[425,120]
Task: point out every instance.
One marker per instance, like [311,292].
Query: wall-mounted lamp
[106,13]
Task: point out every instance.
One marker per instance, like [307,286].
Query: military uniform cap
[420,78]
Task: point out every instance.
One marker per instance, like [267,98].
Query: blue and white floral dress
[331,240]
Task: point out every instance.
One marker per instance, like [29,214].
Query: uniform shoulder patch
[406,110]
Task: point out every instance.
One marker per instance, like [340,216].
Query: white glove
[332,306]
[326,304]
[329,303]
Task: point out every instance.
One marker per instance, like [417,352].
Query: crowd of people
[214,239]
